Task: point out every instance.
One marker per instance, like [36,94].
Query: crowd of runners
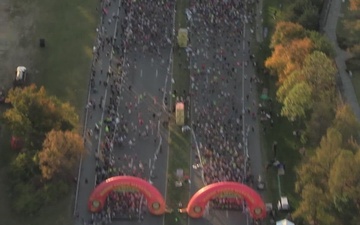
[122,206]
[216,86]
[130,116]
[227,203]
[144,28]
[147,26]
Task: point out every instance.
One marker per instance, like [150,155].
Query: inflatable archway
[155,201]
[199,200]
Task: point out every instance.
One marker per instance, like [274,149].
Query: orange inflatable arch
[200,199]
[155,201]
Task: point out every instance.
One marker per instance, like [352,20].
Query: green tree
[346,123]
[344,184]
[305,12]
[310,18]
[321,43]
[314,207]
[60,154]
[319,72]
[28,199]
[54,190]
[34,113]
[22,168]
[289,83]
[320,120]
[285,32]
[313,178]
[297,102]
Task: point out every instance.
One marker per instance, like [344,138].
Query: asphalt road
[142,92]
[86,181]
[146,80]
[146,74]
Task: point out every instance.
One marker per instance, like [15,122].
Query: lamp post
[188,128]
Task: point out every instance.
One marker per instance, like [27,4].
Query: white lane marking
[157,73]
[227,213]
[141,73]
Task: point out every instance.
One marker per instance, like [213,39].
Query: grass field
[68,28]
[63,67]
[179,143]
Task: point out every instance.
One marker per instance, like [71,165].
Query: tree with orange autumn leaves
[286,58]
[301,67]
[328,181]
[354,5]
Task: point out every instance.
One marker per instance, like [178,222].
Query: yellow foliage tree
[60,154]
[346,123]
[285,32]
[34,113]
[312,183]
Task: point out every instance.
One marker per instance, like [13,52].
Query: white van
[20,74]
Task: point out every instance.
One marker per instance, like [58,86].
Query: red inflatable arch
[155,201]
[199,200]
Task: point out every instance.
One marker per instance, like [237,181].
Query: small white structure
[261,183]
[284,222]
[283,204]
[269,207]
[20,73]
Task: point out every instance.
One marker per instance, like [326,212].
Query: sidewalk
[348,92]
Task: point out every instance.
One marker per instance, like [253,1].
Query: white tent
[284,222]
[283,204]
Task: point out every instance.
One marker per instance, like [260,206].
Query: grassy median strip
[179,142]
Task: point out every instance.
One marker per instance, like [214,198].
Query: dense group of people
[231,203]
[126,205]
[218,53]
[129,116]
[144,29]
[146,25]
[121,205]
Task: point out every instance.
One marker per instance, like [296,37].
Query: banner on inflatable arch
[155,201]
[198,202]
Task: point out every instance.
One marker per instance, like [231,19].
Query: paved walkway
[348,92]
